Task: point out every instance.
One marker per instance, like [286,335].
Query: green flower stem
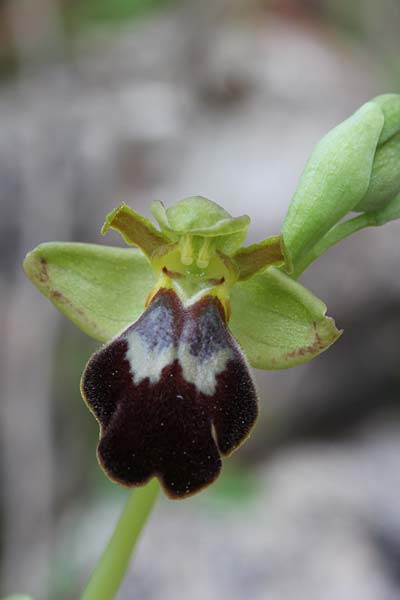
[108,575]
[336,234]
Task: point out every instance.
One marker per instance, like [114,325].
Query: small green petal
[135,229]
[99,288]
[278,323]
[334,181]
[258,257]
[229,244]
[199,216]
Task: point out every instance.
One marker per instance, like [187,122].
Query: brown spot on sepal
[43,274]
[315,348]
[61,299]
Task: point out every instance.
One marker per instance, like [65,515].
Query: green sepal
[390,212]
[390,107]
[135,229]
[198,216]
[101,289]
[279,323]
[257,257]
[385,176]
[335,180]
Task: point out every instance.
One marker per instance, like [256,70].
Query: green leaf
[99,288]
[334,181]
[278,323]
[135,229]
[257,257]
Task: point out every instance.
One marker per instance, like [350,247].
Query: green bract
[277,322]
[355,167]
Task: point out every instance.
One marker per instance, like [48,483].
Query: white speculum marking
[203,374]
[153,348]
[145,363]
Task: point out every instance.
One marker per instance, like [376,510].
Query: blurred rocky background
[138,100]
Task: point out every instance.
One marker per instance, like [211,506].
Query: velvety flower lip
[171,394]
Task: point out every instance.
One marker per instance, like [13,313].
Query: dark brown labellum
[172,393]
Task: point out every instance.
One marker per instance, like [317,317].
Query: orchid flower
[187,311]
[182,315]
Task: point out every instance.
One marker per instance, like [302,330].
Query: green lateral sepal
[279,323]
[99,288]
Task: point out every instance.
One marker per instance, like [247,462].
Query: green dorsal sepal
[200,217]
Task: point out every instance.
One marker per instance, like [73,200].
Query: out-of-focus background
[110,100]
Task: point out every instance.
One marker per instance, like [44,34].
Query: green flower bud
[355,167]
